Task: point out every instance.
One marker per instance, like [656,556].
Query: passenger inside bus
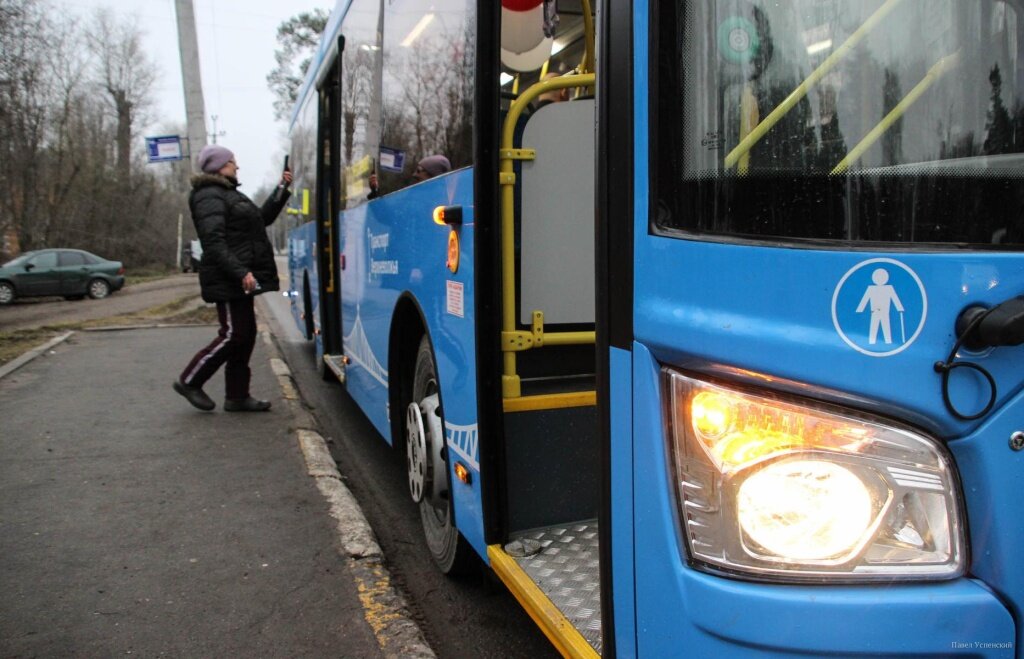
[427,168]
[552,96]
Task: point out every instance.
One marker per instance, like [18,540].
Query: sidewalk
[131,523]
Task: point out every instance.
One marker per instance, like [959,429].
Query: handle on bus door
[978,327]
[1002,325]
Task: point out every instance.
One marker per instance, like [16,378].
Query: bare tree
[125,73]
[24,103]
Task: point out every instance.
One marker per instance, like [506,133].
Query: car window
[45,260]
[20,260]
[91,258]
[72,258]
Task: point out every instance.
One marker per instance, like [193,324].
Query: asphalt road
[36,312]
[133,524]
[469,616]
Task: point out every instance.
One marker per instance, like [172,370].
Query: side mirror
[29,266]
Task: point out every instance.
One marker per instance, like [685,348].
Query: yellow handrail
[588,36]
[797,94]
[941,68]
[506,177]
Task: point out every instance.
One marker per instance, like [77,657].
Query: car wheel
[6,292]
[98,289]
[427,467]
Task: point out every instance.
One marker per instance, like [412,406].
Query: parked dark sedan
[68,272]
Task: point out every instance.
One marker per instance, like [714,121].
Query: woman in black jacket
[238,264]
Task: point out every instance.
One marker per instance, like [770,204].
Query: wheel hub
[415,451]
[431,415]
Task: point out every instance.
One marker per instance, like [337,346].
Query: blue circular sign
[879,307]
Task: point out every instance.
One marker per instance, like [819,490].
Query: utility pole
[215,134]
[188,46]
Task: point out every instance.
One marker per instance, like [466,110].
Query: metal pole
[177,254]
[188,46]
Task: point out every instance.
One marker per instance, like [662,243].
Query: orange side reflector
[453,251]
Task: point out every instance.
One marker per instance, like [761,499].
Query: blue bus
[697,321]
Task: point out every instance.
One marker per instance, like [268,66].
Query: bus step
[337,365]
[564,574]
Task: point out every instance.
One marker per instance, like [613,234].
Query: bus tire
[428,470]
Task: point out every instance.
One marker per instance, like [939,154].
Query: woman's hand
[286,178]
[248,283]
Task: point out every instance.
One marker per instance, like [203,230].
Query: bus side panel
[391,247]
[302,264]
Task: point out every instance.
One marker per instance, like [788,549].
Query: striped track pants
[232,347]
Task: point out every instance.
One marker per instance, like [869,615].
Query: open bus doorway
[551,448]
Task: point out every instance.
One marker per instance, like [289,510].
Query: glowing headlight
[789,491]
[804,509]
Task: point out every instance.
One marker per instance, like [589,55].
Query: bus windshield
[890,121]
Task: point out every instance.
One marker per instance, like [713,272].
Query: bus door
[549,549]
[825,418]
[329,363]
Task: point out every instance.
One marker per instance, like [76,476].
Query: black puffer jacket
[234,237]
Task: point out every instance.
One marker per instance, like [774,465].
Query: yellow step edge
[550,401]
[555,626]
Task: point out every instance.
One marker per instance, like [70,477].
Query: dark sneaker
[249,404]
[195,395]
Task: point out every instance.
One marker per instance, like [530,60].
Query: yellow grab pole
[506,178]
[568,338]
[941,68]
[588,32]
[797,94]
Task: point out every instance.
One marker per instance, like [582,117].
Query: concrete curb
[384,608]
[18,362]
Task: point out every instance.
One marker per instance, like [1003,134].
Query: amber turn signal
[448,215]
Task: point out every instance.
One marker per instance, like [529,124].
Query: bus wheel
[427,468]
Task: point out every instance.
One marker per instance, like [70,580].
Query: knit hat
[435,165]
[213,157]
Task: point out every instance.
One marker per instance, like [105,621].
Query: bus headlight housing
[786,490]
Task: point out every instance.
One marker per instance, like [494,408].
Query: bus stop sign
[164,148]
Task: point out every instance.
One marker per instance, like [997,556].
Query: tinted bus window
[428,87]
[303,153]
[911,129]
[360,99]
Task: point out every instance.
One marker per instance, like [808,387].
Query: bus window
[360,100]
[822,120]
[428,88]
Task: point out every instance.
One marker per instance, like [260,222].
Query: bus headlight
[786,490]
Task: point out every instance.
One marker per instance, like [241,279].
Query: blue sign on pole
[391,160]
[164,148]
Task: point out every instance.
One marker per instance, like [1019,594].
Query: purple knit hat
[213,157]
[435,165]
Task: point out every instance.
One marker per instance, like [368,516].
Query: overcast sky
[237,39]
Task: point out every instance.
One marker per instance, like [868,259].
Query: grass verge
[148,273]
[178,312]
